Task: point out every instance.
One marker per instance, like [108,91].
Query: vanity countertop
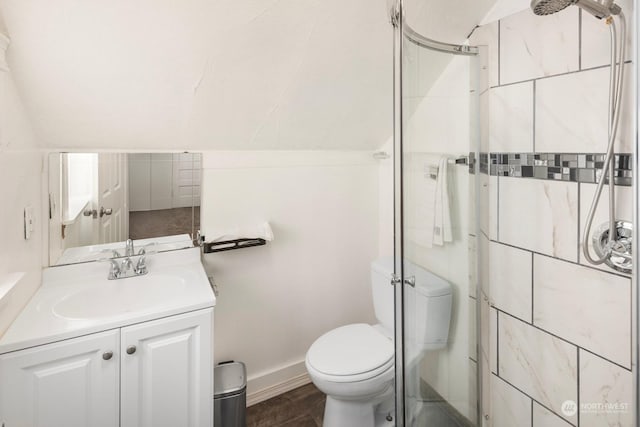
[76,300]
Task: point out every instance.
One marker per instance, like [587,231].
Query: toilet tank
[381,272]
[427,305]
[427,309]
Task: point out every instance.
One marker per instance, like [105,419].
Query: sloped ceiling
[210,74]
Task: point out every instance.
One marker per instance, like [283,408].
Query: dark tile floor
[164,222]
[438,414]
[302,407]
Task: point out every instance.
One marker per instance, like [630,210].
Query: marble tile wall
[559,349]
[542,417]
[511,117]
[539,364]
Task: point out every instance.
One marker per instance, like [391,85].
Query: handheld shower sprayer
[612,241]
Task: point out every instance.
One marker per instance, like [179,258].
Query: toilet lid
[351,350]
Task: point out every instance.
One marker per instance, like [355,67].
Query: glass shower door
[436,180]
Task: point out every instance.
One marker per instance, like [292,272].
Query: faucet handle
[141,266]
[114,270]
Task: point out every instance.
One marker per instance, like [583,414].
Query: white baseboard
[275,383]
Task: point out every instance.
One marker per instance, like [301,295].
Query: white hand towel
[420,199]
[442,230]
[260,231]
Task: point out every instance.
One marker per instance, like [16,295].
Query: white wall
[385,202]
[20,186]
[275,300]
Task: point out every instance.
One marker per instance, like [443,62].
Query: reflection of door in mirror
[87,200]
[112,198]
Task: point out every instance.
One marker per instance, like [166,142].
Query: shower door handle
[395,279]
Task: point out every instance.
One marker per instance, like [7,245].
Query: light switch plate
[28,222]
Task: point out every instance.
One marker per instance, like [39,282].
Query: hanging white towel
[442,231]
[419,198]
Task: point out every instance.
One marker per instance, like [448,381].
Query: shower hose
[616,78]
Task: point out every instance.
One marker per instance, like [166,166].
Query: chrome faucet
[127,265]
[125,268]
[128,249]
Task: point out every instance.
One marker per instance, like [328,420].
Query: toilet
[354,364]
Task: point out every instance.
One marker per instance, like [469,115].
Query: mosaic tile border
[572,167]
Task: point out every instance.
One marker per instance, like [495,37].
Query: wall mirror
[99,200]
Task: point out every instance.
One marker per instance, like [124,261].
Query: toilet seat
[351,353]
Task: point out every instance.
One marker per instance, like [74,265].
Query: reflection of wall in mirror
[163,181]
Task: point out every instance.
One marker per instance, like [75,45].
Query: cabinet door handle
[131,349]
[107,355]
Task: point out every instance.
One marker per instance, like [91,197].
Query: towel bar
[462,160]
[229,245]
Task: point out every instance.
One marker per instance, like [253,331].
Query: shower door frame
[635,324]
[402,30]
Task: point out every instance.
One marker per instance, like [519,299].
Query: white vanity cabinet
[152,374]
[167,377]
[65,384]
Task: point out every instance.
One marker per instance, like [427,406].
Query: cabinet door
[167,377]
[72,383]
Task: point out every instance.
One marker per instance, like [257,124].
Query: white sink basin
[116,297]
[79,299]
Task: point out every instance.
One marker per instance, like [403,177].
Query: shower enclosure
[499,145]
[437,137]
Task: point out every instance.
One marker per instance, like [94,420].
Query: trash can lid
[228,378]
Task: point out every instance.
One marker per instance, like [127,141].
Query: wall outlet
[29,220]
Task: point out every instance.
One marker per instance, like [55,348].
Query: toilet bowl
[354,364]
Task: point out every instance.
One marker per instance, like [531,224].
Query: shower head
[548,7]
[598,8]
